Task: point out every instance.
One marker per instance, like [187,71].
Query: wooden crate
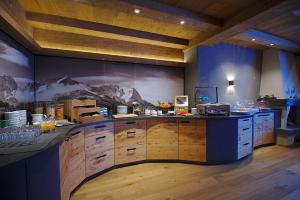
[75,108]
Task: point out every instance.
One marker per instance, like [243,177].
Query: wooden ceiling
[110,30]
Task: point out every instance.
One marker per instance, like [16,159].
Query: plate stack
[16,118]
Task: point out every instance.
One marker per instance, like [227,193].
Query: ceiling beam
[257,13]
[72,25]
[89,44]
[176,11]
[13,22]
[266,39]
[106,57]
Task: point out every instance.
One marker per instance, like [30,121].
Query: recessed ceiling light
[182,22]
[253,39]
[137,11]
[271,44]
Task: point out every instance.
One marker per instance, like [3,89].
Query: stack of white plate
[23,116]
[16,118]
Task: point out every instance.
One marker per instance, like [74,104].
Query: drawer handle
[246,144]
[244,120]
[75,133]
[185,122]
[244,129]
[131,134]
[263,115]
[131,149]
[101,126]
[102,156]
[130,122]
[100,138]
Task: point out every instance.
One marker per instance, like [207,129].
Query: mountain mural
[107,95]
[14,94]
[16,75]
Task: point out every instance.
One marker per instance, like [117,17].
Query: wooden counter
[91,149]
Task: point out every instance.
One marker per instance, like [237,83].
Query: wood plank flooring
[271,173]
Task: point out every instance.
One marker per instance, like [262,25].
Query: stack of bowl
[16,118]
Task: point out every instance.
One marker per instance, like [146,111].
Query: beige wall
[279,74]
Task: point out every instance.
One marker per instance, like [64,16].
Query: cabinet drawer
[130,154]
[124,125]
[194,152]
[101,141]
[91,131]
[130,137]
[244,150]
[98,162]
[245,123]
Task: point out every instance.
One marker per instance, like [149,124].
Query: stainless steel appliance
[213,109]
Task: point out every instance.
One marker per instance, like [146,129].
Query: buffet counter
[81,152]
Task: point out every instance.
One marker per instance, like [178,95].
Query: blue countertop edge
[64,132]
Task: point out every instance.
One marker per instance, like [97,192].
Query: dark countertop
[63,132]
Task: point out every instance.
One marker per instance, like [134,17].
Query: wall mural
[111,83]
[16,75]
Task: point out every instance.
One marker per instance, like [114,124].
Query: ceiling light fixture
[137,11]
[182,22]
[253,39]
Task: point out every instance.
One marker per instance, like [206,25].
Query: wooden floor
[271,173]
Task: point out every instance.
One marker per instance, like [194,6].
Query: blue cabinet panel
[43,175]
[13,181]
[222,140]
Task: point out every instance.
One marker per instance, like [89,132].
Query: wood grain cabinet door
[64,169]
[162,139]
[77,159]
[192,140]
[258,130]
[264,129]
[268,136]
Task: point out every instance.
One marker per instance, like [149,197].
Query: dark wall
[111,83]
[218,64]
[16,74]
[191,71]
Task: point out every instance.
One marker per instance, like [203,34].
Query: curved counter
[80,152]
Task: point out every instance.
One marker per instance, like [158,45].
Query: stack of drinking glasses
[18,136]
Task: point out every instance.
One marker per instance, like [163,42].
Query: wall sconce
[231,83]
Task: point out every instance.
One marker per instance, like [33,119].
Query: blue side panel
[43,175]
[277,118]
[13,181]
[222,140]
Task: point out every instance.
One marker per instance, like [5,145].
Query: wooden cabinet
[192,140]
[77,159]
[263,129]
[72,162]
[130,141]
[64,169]
[99,147]
[245,129]
[162,139]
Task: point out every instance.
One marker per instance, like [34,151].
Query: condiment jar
[50,111]
[60,112]
[38,108]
